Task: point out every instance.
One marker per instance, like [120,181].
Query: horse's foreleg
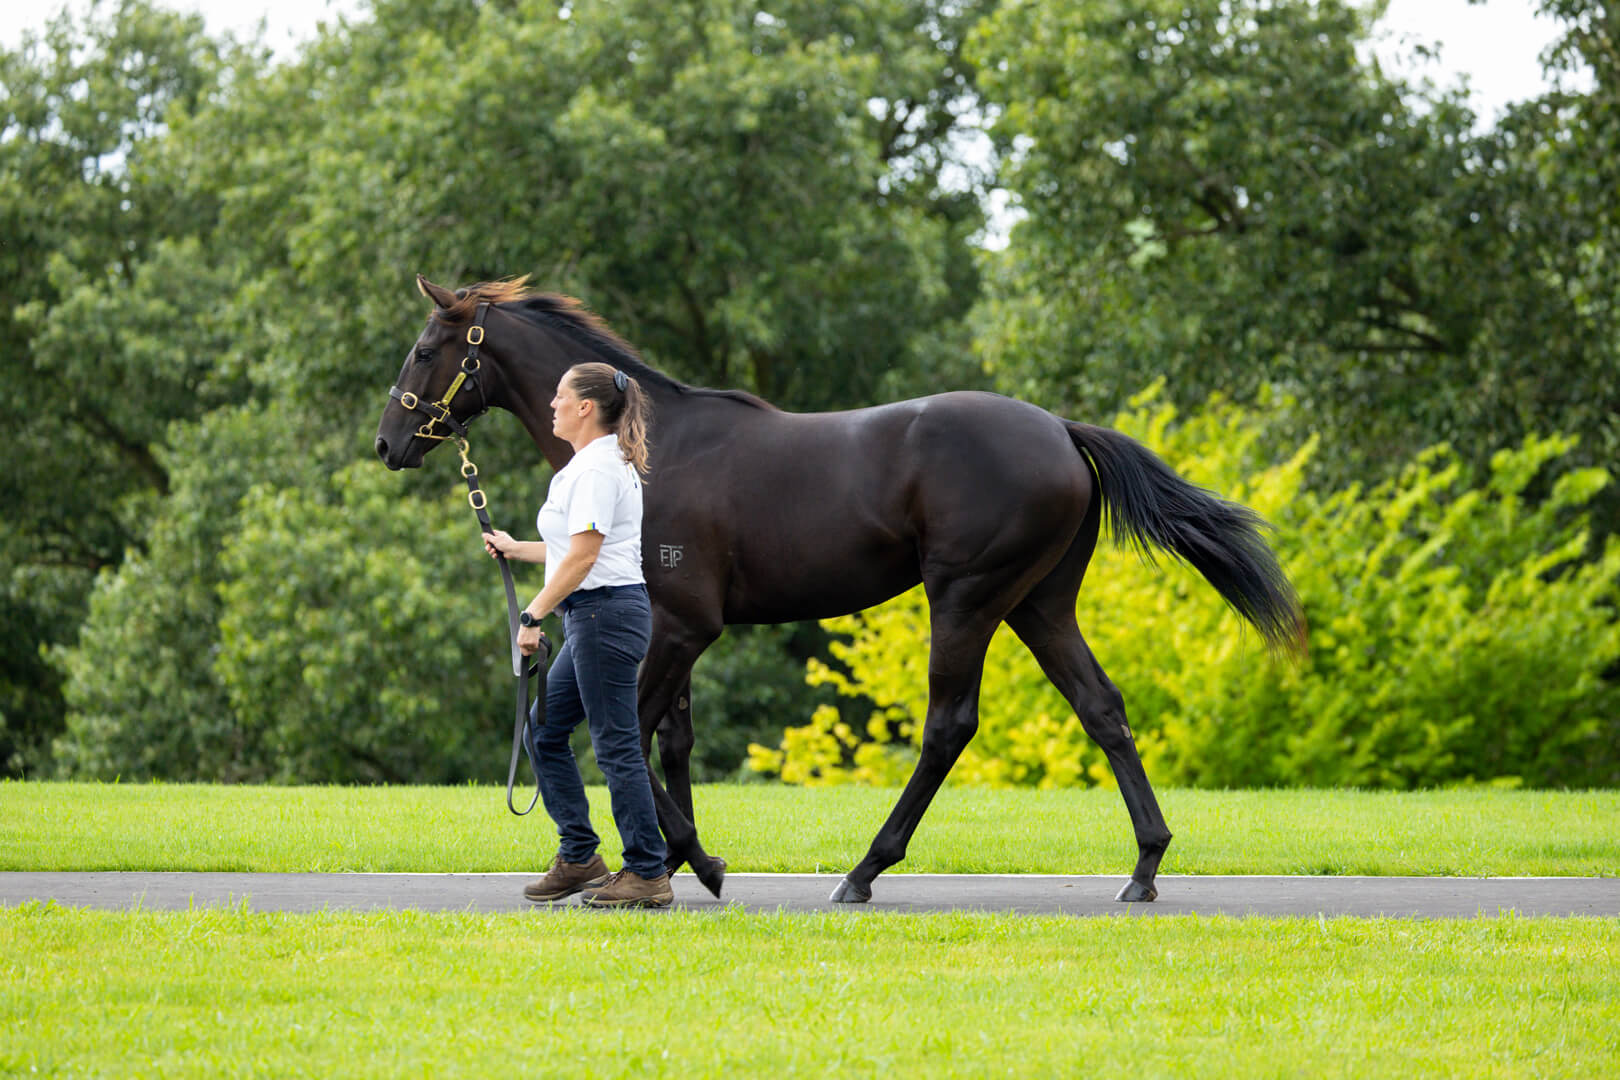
[955,664]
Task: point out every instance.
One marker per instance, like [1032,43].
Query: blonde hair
[625,411]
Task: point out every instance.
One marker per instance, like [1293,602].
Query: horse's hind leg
[675,742]
[955,665]
[1050,632]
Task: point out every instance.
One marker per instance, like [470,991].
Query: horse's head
[439,390]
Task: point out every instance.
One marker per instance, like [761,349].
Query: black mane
[565,315]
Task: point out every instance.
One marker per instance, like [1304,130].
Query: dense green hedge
[1461,631]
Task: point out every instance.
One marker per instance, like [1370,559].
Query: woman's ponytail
[633,425]
[624,406]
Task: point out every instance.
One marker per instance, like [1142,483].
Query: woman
[590,541]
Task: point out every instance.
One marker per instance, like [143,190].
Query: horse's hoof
[712,876]
[1135,892]
[848,892]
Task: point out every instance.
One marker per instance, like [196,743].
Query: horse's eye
[424,355]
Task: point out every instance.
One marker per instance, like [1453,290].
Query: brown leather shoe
[566,879]
[629,889]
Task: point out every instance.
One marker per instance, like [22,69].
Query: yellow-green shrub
[1458,634]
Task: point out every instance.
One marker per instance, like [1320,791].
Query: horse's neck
[538,425]
[530,384]
[680,423]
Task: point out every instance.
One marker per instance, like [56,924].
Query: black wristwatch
[525,619]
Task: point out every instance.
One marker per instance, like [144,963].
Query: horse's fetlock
[885,853]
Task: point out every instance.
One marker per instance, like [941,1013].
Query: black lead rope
[522,669]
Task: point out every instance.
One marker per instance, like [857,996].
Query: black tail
[1149,506]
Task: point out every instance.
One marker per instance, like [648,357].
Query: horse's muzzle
[382,452]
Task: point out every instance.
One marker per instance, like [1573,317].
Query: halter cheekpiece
[438,412]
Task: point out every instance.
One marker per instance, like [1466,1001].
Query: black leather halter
[438,412]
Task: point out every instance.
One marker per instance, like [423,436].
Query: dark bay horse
[755,515]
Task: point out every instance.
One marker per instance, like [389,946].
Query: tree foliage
[99,247]
[206,257]
[314,581]
[142,696]
[1227,192]
[753,196]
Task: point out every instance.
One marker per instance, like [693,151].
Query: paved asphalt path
[1027,894]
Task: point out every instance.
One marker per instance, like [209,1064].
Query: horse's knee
[675,746]
[675,739]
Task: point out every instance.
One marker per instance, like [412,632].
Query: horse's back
[923,456]
[939,427]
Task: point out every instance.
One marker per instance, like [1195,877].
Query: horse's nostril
[382,448]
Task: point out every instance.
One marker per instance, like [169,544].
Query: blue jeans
[593,677]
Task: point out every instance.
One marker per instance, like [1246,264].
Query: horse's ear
[440,295]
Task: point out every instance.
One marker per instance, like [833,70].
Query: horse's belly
[791,590]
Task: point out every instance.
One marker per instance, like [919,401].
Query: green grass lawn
[774,828]
[228,991]
[581,993]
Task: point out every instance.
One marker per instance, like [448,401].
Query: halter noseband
[438,412]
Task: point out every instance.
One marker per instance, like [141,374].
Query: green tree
[315,581]
[752,196]
[1226,194]
[143,700]
[745,687]
[102,300]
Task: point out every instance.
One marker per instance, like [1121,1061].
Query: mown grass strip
[55,826]
[578,993]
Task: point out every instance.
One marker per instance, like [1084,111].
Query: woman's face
[565,411]
[570,413]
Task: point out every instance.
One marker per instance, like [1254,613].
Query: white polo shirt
[597,491]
